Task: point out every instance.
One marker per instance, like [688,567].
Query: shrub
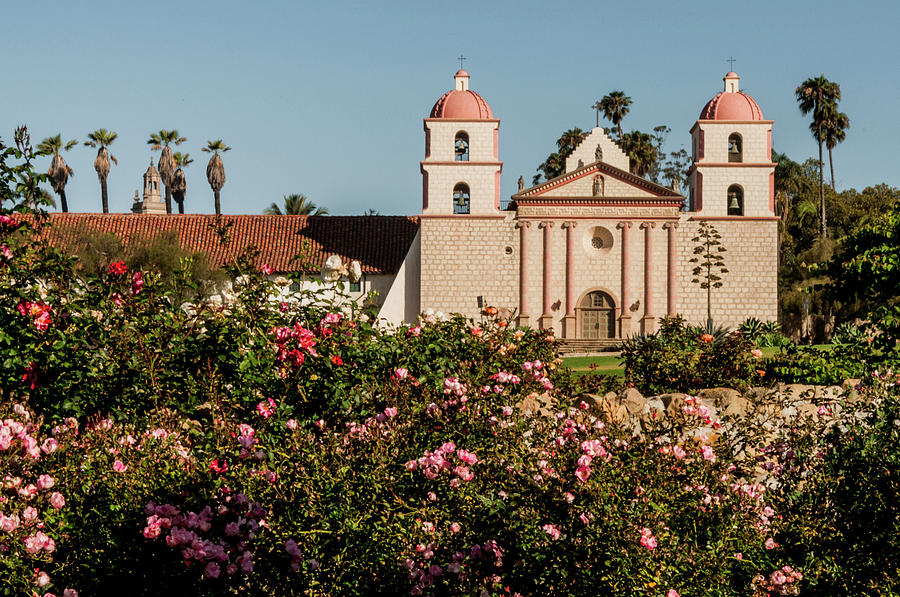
[683,358]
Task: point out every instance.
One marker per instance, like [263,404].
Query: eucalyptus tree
[103,138]
[179,182]
[162,140]
[615,106]
[296,204]
[818,95]
[59,172]
[215,169]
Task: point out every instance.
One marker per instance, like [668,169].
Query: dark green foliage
[680,358]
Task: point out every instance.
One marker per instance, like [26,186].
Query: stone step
[587,345]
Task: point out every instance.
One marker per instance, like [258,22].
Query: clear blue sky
[327,98]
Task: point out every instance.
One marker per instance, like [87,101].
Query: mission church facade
[596,252]
[593,254]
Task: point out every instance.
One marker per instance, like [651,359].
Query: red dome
[731,104]
[462,102]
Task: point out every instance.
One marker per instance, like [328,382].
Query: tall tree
[569,140]
[215,169]
[296,204]
[103,138]
[555,164]
[834,131]
[615,106]
[710,264]
[641,153]
[179,182]
[59,172]
[166,166]
[815,96]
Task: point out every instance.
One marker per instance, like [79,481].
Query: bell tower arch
[732,173]
[461,169]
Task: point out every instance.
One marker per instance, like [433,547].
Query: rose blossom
[57,500]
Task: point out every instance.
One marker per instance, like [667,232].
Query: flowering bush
[681,358]
[259,446]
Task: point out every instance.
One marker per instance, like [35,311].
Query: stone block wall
[466,257]
[481,179]
[441,139]
[750,288]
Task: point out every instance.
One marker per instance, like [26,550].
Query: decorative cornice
[602,168]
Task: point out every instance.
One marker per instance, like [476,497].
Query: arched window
[735,200]
[461,147]
[735,148]
[461,198]
[597,314]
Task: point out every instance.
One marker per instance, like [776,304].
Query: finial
[731,61]
[151,161]
[461,59]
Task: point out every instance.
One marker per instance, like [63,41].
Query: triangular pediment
[598,182]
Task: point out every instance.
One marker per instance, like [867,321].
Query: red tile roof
[379,243]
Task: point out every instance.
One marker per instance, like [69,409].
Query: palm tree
[179,183]
[815,95]
[104,139]
[640,150]
[296,204]
[166,166]
[215,170]
[834,131]
[569,140]
[615,107]
[59,172]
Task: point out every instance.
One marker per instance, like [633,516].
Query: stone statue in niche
[521,183]
[597,190]
[598,154]
[581,163]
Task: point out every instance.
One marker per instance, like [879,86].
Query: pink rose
[30,514]
[57,500]
[119,466]
[552,530]
[46,482]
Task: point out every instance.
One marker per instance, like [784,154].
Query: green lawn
[610,365]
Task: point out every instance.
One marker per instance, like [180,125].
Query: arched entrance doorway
[597,316]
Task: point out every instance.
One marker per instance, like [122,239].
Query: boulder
[633,401]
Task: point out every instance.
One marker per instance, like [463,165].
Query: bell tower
[732,174]
[461,169]
[152,202]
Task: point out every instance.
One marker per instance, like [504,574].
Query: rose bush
[155,439]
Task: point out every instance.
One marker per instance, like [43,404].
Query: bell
[733,202]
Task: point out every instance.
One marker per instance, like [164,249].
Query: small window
[461,147]
[356,286]
[735,200]
[461,199]
[735,148]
